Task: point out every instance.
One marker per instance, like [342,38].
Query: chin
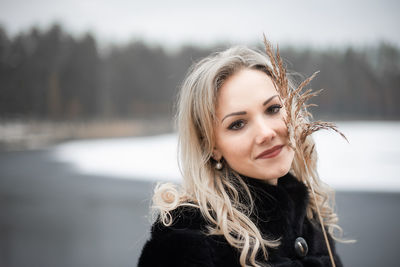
[269,174]
[278,170]
[278,173]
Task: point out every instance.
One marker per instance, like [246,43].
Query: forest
[50,74]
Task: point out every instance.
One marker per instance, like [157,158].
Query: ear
[217,155]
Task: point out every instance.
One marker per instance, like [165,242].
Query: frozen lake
[369,162]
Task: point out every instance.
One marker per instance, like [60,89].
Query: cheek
[234,148]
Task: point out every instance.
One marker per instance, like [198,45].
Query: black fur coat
[280,212]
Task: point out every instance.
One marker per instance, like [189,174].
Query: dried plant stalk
[299,124]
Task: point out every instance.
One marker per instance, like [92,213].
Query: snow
[369,162]
[153,157]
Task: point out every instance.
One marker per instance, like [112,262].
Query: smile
[270,153]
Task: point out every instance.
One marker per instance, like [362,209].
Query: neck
[272,181]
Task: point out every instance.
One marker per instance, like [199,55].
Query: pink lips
[270,153]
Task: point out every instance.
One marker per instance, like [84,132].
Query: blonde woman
[251,195]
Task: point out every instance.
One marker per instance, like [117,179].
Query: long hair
[223,197]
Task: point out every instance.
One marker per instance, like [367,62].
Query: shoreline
[37,134]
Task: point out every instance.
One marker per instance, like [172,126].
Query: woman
[251,195]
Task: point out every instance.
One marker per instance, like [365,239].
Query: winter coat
[280,212]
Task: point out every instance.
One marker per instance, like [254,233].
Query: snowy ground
[369,162]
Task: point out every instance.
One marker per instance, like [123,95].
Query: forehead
[243,90]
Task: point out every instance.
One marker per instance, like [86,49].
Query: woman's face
[250,132]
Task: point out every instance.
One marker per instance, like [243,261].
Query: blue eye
[274,109]
[237,125]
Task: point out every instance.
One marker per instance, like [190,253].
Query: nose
[265,132]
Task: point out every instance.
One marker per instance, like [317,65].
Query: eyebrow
[269,100]
[244,112]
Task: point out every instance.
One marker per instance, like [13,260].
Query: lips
[270,153]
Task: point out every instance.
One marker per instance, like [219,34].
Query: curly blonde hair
[222,196]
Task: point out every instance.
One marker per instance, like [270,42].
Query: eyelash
[274,109]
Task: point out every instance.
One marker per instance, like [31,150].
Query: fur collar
[279,210]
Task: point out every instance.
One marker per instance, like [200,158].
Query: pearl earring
[218,166]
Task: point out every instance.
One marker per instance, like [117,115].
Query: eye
[236,125]
[274,109]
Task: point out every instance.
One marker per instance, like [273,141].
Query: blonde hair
[223,197]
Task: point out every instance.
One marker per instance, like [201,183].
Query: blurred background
[87,94]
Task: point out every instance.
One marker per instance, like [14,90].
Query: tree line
[53,75]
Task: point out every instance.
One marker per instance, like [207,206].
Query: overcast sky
[171,22]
